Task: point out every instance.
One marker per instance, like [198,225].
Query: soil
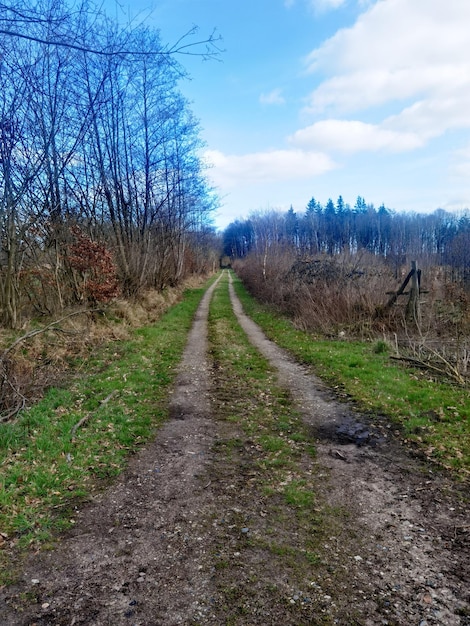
[142,552]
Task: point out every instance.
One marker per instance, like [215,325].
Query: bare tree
[93,132]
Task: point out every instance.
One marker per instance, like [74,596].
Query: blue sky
[329,97]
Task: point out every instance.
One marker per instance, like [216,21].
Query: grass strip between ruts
[265,465]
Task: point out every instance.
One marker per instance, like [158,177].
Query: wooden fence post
[413,311]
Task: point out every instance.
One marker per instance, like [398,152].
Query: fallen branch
[13,412]
[38,331]
[452,372]
[86,417]
[451,369]
[8,416]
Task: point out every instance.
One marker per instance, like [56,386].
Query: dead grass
[50,358]
[349,297]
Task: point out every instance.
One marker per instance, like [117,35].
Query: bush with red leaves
[94,270]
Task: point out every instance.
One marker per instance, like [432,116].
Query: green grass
[433,414]
[45,466]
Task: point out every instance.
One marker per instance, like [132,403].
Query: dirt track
[142,553]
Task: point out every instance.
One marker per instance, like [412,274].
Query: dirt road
[143,552]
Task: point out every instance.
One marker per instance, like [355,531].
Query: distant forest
[439,238]
[361,271]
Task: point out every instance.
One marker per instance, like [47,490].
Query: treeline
[101,187]
[439,238]
[340,271]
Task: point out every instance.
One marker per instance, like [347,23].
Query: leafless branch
[212,50]
[52,326]
[12,412]
[449,370]
[6,417]
[86,417]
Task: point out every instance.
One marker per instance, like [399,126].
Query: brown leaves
[93,267]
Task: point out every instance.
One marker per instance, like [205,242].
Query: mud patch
[350,431]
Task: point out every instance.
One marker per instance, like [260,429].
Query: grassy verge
[271,525]
[62,448]
[435,415]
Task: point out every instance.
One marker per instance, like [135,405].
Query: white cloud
[366,88]
[231,171]
[410,56]
[353,136]
[326,5]
[397,34]
[320,5]
[457,202]
[460,169]
[273,97]
[432,117]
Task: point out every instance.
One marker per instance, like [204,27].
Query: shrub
[93,269]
